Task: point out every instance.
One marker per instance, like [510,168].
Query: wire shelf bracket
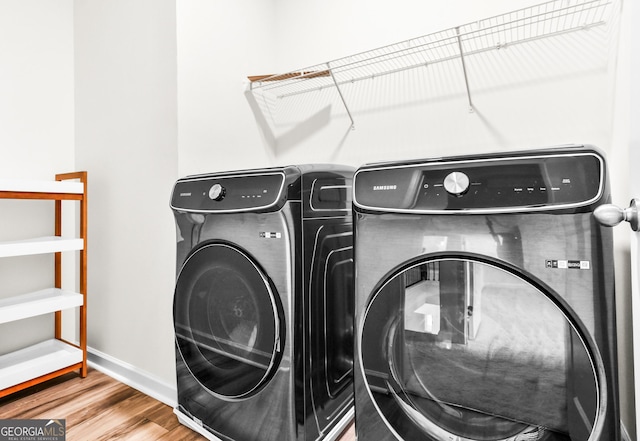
[464,71]
[344,102]
[543,20]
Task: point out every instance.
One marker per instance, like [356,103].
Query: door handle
[611,215]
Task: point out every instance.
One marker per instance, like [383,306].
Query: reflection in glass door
[476,352]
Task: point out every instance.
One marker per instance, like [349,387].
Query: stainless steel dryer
[263,304]
[485,299]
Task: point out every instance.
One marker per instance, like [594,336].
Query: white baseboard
[129,375]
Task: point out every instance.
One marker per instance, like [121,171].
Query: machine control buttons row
[532,189]
[458,183]
[217,192]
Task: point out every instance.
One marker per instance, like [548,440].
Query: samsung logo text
[384,187]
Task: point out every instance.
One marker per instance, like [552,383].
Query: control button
[217,192]
[456,183]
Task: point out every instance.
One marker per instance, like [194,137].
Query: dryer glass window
[226,321]
[467,350]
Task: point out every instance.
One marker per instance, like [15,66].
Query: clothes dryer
[263,304]
[485,299]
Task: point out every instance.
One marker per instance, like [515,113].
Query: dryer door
[460,348]
[227,321]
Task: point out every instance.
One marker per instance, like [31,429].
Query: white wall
[36,139]
[126,137]
[219,44]
[36,88]
[140,67]
[315,31]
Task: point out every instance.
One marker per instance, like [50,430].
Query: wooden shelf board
[40,245]
[38,303]
[36,361]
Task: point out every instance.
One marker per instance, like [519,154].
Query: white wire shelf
[540,21]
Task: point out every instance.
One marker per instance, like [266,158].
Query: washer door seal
[227,321]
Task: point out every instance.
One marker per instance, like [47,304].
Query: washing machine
[485,299]
[263,303]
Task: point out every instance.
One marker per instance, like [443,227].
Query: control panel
[227,193]
[526,182]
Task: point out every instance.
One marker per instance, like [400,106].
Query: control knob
[217,192]
[456,183]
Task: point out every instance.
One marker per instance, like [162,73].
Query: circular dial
[217,192]
[456,183]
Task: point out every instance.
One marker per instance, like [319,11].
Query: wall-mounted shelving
[55,356]
[544,20]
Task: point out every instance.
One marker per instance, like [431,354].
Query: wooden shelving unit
[56,356]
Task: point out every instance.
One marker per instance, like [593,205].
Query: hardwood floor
[100,408]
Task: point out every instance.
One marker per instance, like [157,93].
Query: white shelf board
[23,185]
[35,361]
[38,303]
[40,245]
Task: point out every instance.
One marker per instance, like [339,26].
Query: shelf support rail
[464,70]
[82,177]
[344,102]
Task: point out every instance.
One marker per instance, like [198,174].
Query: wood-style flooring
[99,408]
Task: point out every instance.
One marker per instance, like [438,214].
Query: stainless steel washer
[263,305]
[485,302]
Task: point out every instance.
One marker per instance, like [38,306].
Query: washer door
[227,321]
[462,349]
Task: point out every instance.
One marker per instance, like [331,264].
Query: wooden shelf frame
[57,356]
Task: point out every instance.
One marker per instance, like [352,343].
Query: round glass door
[227,321]
[461,349]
